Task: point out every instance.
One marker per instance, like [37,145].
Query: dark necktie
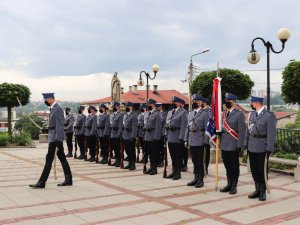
[195,113]
[227,114]
[256,114]
[173,112]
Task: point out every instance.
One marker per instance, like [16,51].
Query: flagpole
[217,147]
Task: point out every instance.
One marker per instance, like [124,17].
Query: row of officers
[153,131]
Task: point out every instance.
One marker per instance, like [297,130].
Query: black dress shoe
[80,157]
[92,159]
[66,183]
[127,167]
[104,161]
[193,182]
[69,155]
[199,184]
[171,175]
[153,171]
[184,169]
[132,167]
[117,164]
[149,170]
[227,187]
[177,176]
[37,185]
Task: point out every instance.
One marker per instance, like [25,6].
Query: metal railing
[288,140]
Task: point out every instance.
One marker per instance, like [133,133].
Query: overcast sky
[73,47]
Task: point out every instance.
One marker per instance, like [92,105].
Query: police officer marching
[232,139]
[130,134]
[140,126]
[69,131]
[91,132]
[56,136]
[196,138]
[116,126]
[80,130]
[260,139]
[176,124]
[103,130]
[152,127]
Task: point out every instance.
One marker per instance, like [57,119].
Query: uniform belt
[77,127]
[149,129]
[258,136]
[115,128]
[101,128]
[194,131]
[140,127]
[128,128]
[174,128]
[51,128]
[88,127]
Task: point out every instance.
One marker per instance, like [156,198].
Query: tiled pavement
[109,195]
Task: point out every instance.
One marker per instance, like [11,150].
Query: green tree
[24,124]
[233,81]
[8,98]
[291,86]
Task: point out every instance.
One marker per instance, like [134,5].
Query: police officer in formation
[207,108]
[260,139]
[116,127]
[196,138]
[56,136]
[80,131]
[232,140]
[161,144]
[153,129]
[91,132]
[130,134]
[69,130]
[176,124]
[103,131]
[140,126]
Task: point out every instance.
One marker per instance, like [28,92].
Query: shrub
[4,138]
[24,124]
[22,138]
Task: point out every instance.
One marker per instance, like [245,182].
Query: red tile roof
[139,96]
[281,115]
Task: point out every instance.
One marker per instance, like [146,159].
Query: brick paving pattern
[111,196]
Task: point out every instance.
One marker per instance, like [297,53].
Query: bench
[292,162]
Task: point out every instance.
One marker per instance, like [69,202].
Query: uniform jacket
[140,124]
[177,125]
[163,117]
[152,125]
[195,131]
[236,121]
[263,124]
[80,123]
[116,124]
[129,126]
[103,125]
[69,124]
[56,124]
[91,125]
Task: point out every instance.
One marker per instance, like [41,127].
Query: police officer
[91,132]
[80,130]
[140,126]
[153,129]
[207,108]
[103,130]
[69,130]
[130,134]
[56,136]
[161,144]
[116,126]
[232,140]
[176,126]
[260,139]
[195,136]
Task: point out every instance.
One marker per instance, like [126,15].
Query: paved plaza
[109,195]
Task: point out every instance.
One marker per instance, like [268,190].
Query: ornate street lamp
[253,56]
[155,69]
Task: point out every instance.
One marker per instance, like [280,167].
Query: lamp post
[253,56]
[191,75]
[155,69]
